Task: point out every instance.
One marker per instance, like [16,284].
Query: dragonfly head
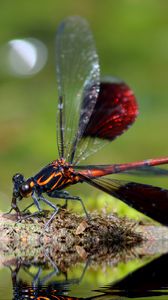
[21,188]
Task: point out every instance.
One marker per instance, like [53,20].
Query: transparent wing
[77,70]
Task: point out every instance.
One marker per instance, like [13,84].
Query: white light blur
[26,57]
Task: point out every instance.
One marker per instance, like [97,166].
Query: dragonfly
[90,113]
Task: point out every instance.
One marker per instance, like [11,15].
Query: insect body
[50,180]
[90,113]
[56,176]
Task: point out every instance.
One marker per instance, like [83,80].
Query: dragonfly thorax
[55,176]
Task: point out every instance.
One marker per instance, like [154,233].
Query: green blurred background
[132,43]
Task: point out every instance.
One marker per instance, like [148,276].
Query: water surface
[126,275]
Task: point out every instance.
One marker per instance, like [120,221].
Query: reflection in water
[44,281]
[150,280]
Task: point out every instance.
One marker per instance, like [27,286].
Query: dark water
[127,275]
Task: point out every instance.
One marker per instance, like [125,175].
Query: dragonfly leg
[27,207]
[83,206]
[14,207]
[60,195]
[36,202]
[62,206]
[65,195]
[51,205]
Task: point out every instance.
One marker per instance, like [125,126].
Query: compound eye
[18,178]
[25,190]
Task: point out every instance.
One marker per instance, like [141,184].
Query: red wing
[149,200]
[115,110]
